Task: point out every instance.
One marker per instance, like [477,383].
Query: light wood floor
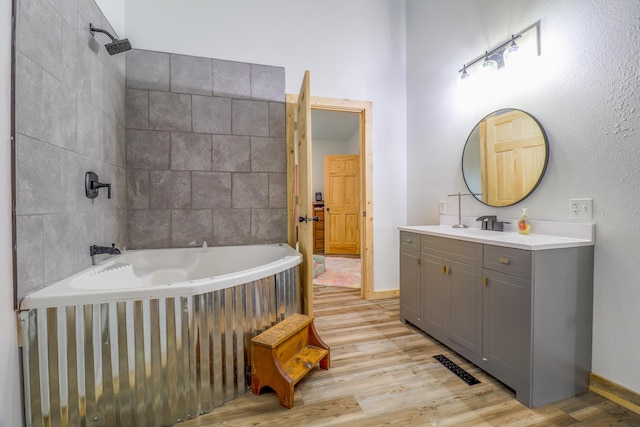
[383,374]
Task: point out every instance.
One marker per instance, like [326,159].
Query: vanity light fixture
[499,56]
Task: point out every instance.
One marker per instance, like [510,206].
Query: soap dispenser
[523,223]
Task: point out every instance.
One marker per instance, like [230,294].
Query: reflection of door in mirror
[513,156]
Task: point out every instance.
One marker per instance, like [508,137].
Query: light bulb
[511,53]
[489,65]
[464,76]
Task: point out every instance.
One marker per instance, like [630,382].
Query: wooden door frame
[365,111]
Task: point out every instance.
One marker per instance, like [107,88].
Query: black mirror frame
[544,168]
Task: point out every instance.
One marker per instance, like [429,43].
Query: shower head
[116,46]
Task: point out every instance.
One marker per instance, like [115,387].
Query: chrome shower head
[116,46]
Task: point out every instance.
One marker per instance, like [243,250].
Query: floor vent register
[464,375]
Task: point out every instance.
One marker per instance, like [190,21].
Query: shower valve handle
[91,185]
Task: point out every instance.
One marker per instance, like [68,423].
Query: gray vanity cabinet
[463,306]
[506,328]
[410,277]
[450,295]
[523,316]
[506,308]
[432,278]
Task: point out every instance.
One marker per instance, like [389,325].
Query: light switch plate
[443,207]
[581,209]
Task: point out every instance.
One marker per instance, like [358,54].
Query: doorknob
[302,219]
[327,209]
[314,218]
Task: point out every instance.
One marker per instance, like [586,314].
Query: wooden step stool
[284,353]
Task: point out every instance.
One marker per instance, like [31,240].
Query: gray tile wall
[206,156]
[70,118]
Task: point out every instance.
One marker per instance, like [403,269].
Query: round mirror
[505,157]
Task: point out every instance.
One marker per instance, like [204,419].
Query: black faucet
[97,250]
[490,222]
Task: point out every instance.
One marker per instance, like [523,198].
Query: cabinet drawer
[452,249]
[409,241]
[515,262]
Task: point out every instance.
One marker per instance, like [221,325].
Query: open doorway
[363,110]
[336,198]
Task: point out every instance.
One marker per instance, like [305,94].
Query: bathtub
[151,337]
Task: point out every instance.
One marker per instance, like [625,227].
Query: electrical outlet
[443,207]
[581,209]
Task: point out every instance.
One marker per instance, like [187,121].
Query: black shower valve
[91,185]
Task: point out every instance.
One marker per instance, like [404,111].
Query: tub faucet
[97,250]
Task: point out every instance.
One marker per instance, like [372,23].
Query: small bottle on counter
[523,223]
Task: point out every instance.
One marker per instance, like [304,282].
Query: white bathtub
[158,273]
[152,337]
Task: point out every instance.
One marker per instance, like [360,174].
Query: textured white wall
[10,397]
[585,90]
[354,50]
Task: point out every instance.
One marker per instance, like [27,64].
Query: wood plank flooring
[383,374]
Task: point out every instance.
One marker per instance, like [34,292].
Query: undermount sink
[479,232]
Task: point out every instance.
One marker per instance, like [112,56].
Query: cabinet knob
[504,260]
[484,281]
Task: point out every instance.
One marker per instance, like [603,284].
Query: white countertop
[576,234]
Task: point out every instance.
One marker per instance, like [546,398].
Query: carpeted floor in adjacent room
[339,271]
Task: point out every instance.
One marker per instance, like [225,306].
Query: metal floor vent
[464,375]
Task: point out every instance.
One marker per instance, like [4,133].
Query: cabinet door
[463,306]
[431,296]
[409,286]
[507,324]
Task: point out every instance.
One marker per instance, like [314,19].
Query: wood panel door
[342,204]
[305,203]
[513,148]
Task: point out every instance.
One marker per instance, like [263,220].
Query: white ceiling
[333,125]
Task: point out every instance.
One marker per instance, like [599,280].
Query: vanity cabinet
[506,308]
[451,299]
[523,316]
[410,277]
